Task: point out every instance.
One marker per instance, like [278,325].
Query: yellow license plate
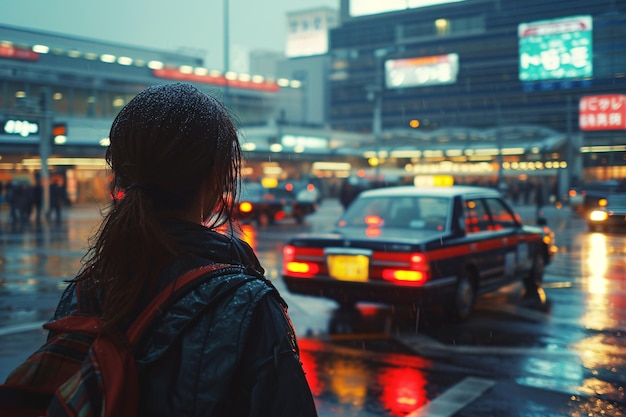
[348,267]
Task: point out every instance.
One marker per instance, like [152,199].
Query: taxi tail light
[302,262]
[412,269]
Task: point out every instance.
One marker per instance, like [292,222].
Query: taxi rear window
[422,212]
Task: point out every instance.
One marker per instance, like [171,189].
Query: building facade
[433,84]
[60,94]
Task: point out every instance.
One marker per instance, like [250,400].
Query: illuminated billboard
[604,112]
[369,7]
[308,32]
[556,49]
[421,71]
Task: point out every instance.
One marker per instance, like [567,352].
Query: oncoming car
[268,205]
[410,245]
[611,213]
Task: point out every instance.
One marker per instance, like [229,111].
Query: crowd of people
[25,200]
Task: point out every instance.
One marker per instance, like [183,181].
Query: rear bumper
[378,292]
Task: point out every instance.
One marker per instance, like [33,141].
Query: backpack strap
[170,293]
[112,393]
[93,325]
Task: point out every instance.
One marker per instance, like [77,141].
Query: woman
[175,159]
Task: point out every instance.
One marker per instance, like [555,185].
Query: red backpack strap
[109,392]
[135,330]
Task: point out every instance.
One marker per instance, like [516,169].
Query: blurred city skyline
[190,26]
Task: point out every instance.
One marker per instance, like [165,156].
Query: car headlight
[598,216]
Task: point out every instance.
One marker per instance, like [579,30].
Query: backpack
[86,369]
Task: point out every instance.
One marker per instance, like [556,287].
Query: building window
[442,26]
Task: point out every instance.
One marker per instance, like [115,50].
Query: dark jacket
[217,352]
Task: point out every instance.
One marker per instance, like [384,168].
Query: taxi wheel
[535,276]
[464,296]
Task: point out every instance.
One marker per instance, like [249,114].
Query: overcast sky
[164,24]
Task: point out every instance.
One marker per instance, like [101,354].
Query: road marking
[455,398]
[424,345]
[359,336]
[26,327]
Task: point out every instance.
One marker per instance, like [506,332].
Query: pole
[568,147]
[500,185]
[378,104]
[226,50]
[45,147]
[377,124]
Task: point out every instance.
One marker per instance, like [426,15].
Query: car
[307,191]
[611,214]
[595,194]
[265,206]
[420,246]
[306,194]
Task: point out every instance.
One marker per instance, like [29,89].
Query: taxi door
[484,248]
[506,229]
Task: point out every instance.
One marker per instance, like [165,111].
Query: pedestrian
[348,191]
[37,198]
[56,201]
[539,197]
[22,200]
[174,151]
[12,189]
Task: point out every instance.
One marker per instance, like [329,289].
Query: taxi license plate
[348,267]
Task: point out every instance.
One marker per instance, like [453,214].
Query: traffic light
[59,133]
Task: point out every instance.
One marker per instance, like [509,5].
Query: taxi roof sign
[433,181]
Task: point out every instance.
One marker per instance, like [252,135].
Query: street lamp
[226,49]
[375,93]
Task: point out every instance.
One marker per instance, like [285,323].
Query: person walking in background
[36,193]
[56,201]
[11,190]
[174,151]
[539,197]
[348,191]
[22,200]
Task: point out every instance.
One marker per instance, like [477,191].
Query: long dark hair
[172,149]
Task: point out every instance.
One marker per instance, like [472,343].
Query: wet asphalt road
[561,353]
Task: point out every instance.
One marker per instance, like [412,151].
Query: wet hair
[173,148]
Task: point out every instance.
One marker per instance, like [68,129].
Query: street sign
[23,128]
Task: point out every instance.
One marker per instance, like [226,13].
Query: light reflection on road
[599,344]
[350,381]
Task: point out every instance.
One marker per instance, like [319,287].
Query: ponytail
[129,249]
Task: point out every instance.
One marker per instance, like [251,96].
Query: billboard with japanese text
[556,49]
[605,112]
[421,71]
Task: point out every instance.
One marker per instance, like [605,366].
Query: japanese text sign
[605,112]
[556,49]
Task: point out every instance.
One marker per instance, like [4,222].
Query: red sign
[9,51]
[176,74]
[606,112]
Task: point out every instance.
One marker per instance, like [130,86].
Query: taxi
[265,205]
[409,245]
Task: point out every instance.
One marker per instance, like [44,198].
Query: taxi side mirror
[542,221]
